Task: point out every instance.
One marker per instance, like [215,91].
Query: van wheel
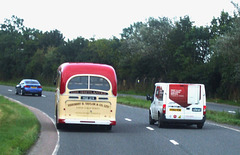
[200,125]
[160,123]
[151,121]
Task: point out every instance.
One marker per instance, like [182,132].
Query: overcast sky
[107,18]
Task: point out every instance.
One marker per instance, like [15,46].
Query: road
[133,134]
[210,105]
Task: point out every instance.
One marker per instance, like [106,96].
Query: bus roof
[69,69]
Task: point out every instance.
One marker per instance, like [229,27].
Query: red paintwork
[179,94]
[69,69]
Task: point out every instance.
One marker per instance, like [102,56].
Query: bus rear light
[61,120]
[113,123]
[204,109]
[164,109]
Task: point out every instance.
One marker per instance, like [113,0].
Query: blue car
[29,86]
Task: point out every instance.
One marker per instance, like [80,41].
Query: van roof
[163,83]
[69,69]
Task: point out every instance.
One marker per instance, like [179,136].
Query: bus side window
[58,80]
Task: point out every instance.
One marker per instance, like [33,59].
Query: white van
[178,103]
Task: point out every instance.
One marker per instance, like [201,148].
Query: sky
[107,18]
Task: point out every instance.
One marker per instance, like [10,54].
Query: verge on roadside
[48,141]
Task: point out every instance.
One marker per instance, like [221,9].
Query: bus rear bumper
[90,122]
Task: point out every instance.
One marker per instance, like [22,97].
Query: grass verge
[219,117]
[235,103]
[19,128]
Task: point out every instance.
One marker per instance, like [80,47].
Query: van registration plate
[175,109]
[196,109]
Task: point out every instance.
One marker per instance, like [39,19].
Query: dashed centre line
[10,90]
[149,128]
[127,119]
[174,142]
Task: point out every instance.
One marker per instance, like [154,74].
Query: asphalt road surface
[133,134]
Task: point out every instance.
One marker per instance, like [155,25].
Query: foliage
[148,52]
[227,51]
[128,100]
[223,117]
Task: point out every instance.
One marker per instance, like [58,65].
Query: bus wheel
[59,126]
[108,127]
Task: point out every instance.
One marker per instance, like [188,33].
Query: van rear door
[184,102]
[177,101]
[195,110]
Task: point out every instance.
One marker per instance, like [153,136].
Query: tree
[227,51]
[10,46]
[143,48]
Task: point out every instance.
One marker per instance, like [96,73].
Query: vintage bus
[86,94]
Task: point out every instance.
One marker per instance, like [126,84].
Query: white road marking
[10,90]
[233,112]
[43,96]
[223,126]
[127,119]
[149,128]
[174,142]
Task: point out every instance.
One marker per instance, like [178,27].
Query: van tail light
[164,109]
[204,109]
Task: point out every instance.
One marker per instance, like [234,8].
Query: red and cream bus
[86,93]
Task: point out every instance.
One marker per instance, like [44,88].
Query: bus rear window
[79,82]
[99,83]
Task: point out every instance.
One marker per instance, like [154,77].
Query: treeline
[157,50]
